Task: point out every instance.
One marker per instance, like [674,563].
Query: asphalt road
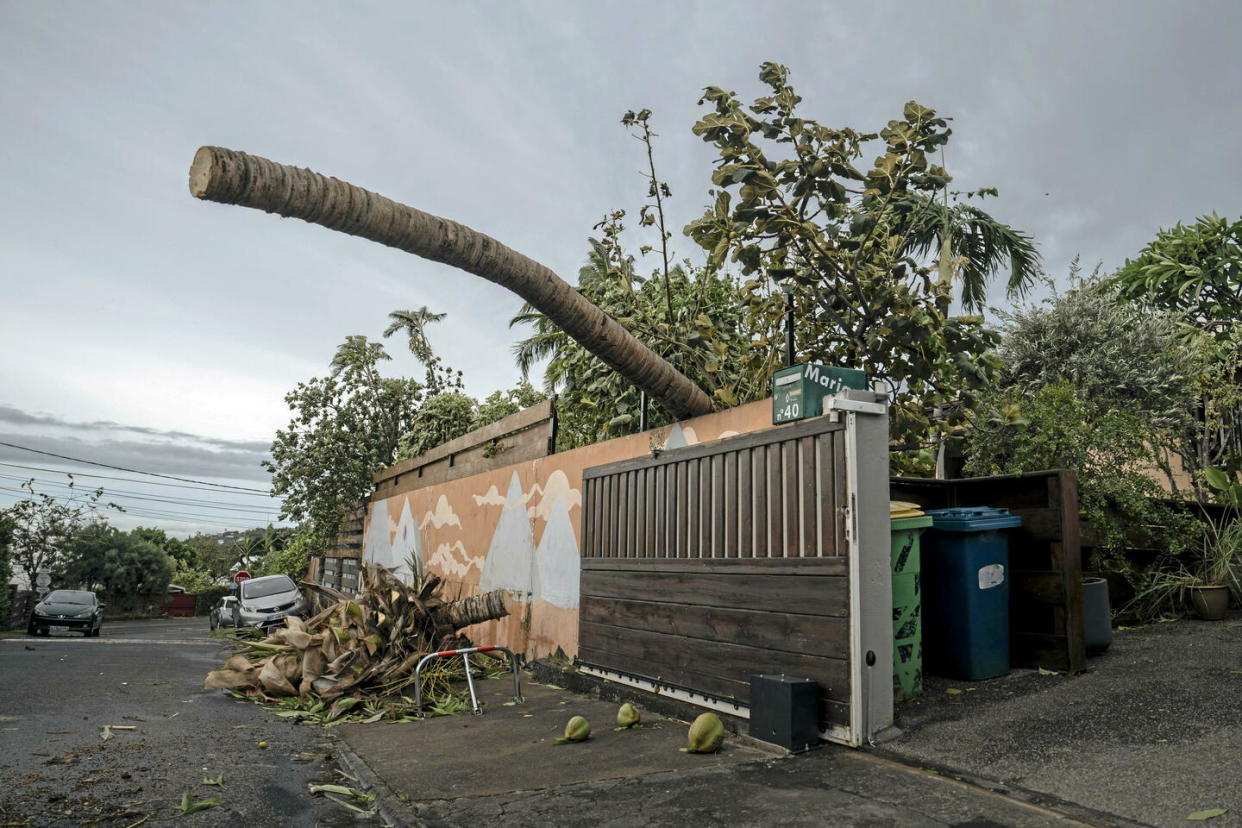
[58,692]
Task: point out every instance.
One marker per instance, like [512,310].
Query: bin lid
[913,522]
[973,519]
[901,509]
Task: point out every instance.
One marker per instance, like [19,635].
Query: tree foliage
[1120,355]
[702,337]
[693,317]
[451,414]
[285,552]
[123,564]
[42,526]
[792,210]
[1058,426]
[1195,273]
[345,428]
[6,564]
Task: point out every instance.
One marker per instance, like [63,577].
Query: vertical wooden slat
[717,509]
[614,525]
[789,464]
[586,521]
[606,544]
[625,505]
[652,524]
[759,497]
[659,515]
[640,512]
[676,509]
[704,507]
[636,514]
[732,507]
[597,515]
[776,497]
[826,526]
[806,501]
[745,505]
[840,491]
[691,516]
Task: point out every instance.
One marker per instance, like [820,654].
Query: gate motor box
[798,391]
[785,711]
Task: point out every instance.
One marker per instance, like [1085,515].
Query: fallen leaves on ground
[189,806]
[1210,813]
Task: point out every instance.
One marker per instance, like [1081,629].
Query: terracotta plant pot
[1210,602]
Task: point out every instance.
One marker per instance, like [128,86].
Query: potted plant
[1220,565]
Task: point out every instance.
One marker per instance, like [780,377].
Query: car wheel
[45,631]
[97,630]
[212,621]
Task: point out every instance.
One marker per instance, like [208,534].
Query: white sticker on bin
[992,575]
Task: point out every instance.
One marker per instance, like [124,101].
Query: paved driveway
[1152,731]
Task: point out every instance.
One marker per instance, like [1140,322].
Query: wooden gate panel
[730,561]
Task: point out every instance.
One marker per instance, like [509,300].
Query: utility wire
[131,471]
[125,479]
[192,502]
[185,517]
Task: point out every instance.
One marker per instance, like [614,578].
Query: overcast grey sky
[125,301]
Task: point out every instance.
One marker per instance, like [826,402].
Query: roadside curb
[371,781]
[1035,799]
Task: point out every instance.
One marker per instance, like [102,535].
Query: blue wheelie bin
[966,592]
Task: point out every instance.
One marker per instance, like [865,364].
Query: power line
[185,517]
[192,502]
[131,471]
[257,493]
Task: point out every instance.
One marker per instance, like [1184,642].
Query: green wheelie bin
[908,524]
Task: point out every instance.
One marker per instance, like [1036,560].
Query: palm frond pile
[368,644]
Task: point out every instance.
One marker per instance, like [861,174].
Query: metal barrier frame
[465,652]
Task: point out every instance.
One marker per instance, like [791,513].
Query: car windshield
[263,587]
[71,596]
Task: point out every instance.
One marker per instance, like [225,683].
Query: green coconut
[578,730]
[706,734]
[628,716]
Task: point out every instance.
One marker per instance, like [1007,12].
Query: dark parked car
[74,609]
[222,613]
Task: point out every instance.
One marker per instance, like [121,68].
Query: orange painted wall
[518,528]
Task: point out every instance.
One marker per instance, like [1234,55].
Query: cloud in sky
[177,506]
[124,300]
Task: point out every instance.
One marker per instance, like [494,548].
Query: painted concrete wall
[517,528]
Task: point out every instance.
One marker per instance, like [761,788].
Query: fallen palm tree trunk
[231,177]
[359,645]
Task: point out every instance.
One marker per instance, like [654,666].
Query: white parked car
[222,613]
[264,602]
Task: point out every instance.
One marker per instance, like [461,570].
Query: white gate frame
[865,415]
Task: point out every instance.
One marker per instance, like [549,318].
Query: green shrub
[1122,506]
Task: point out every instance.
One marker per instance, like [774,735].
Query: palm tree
[549,341]
[415,323]
[969,237]
[231,177]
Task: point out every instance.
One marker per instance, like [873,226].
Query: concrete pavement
[503,769]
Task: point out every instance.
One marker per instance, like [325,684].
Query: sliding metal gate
[764,553]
